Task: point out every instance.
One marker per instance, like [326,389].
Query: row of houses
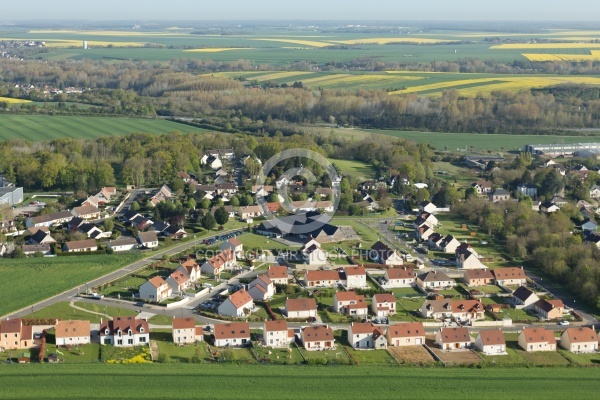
[158,289]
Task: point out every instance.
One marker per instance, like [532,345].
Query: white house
[277,334]
[524,298]
[235,245]
[510,276]
[125,332]
[356,277]
[148,239]
[122,244]
[155,289]
[382,254]
[366,336]
[86,212]
[179,281]
[48,220]
[72,333]
[427,206]
[434,280]
[191,269]
[212,161]
[239,304]
[262,288]
[278,274]
[383,304]
[235,334]
[537,339]
[399,277]
[406,334]
[317,337]
[301,308]
[491,342]
[312,252]
[453,338]
[79,246]
[350,303]
[185,331]
[222,261]
[327,278]
[595,192]
[579,340]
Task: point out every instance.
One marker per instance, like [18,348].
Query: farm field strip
[393,40]
[529,46]
[593,56]
[278,75]
[10,100]
[216,49]
[310,43]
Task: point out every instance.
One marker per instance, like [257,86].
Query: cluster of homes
[130,332]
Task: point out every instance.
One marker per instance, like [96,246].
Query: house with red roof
[15,335]
[350,303]
[185,331]
[327,278]
[399,277]
[537,339]
[453,338]
[356,277]
[239,304]
[155,289]
[406,334]
[125,332]
[366,336]
[220,262]
[317,337]
[579,340]
[383,304]
[278,274]
[72,333]
[235,245]
[277,334]
[179,281]
[234,334]
[301,308]
[491,342]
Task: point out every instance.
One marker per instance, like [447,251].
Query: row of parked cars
[218,238]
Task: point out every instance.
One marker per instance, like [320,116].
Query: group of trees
[547,242]
[175,88]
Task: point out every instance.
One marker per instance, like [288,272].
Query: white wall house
[72,333]
[239,304]
[125,332]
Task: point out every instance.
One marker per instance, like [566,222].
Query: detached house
[537,339]
[579,340]
[478,277]
[148,239]
[277,334]
[383,304]
[185,331]
[319,337]
[406,334]
[216,264]
[312,253]
[155,289]
[510,276]
[122,244]
[301,308]
[356,277]
[400,277]
[262,288]
[428,207]
[15,335]
[235,334]
[80,246]
[179,281]
[382,254]
[491,342]
[48,220]
[462,310]
[191,269]
[549,309]
[278,274]
[524,298]
[366,336]
[235,245]
[467,259]
[239,304]
[434,280]
[449,244]
[125,332]
[86,212]
[72,333]
[350,303]
[328,278]
[453,338]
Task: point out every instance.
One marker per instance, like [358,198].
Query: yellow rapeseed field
[310,43]
[518,46]
[91,43]
[107,33]
[593,56]
[216,49]
[415,40]
[278,75]
[10,100]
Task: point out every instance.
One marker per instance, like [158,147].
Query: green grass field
[230,381]
[64,311]
[355,169]
[27,281]
[37,128]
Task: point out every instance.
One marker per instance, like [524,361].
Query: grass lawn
[337,356]
[581,359]
[356,169]
[108,310]
[289,355]
[546,358]
[238,355]
[215,381]
[407,310]
[125,355]
[253,241]
[40,278]
[64,311]
[513,358]
[489,289]
[170,352]
[518,315]
[406,292]
[161,320]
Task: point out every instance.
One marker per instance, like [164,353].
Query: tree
[177,185]
[235,201]
[109,225]
[205,204]
[149,205]
[135,206]
[191,204]
[209,222]
[273,198]
[423,195]
[19,253]
[551,184]
[221,216]
[470,192]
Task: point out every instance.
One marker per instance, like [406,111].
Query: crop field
[593,56]
[40,278]
[214,381]
[37,128]
[356,169]
[468,141]
[13,101]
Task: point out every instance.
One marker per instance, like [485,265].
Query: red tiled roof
[538,335]
[276,326]
[581,335]
[157,281]
[366,327]
[509,273]
[494,336]
[240,298]
[277,272]
[66,329]
[301,304]
[355,271]
[406,329]
[317,333]
[184,323]
[232,330]
[452,335]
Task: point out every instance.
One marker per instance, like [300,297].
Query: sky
[400,10]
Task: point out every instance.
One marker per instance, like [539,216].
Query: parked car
[564,323]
